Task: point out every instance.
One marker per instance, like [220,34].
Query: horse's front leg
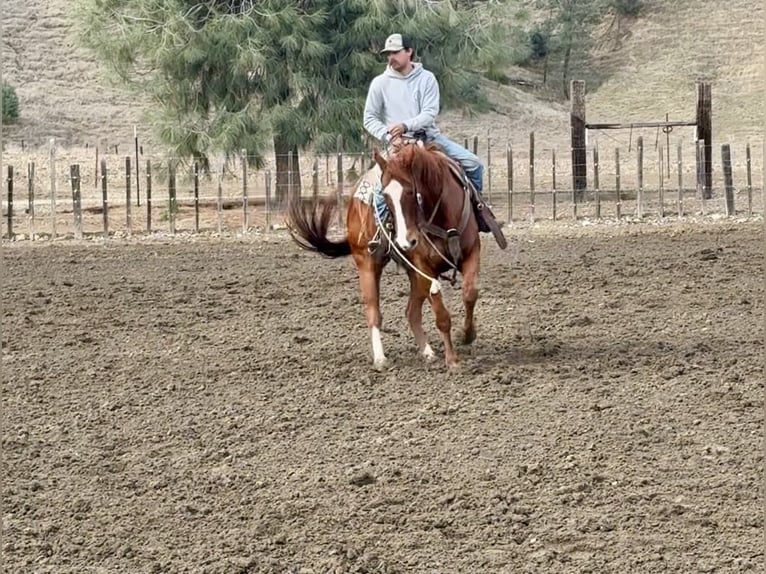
[443,320]
[415,316]
[369,283]
[470,272]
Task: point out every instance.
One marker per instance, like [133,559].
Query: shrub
[538,45]
[627,7]
[10,103]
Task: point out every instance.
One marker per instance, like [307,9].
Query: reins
[435,285]
[429,229]
[451,236]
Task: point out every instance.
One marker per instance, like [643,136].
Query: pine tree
[226,75]
[10,104]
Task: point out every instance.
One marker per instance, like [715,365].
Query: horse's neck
[452,184]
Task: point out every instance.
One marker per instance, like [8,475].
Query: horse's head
[412,179]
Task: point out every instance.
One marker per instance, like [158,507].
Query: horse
[434,231]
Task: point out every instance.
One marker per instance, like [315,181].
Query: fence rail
[75,195]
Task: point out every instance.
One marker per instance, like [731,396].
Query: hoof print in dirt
[362,479]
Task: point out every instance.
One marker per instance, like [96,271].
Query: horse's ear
[379,159]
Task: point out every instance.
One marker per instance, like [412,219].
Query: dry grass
[642,72]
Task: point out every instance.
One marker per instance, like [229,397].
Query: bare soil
[205,404]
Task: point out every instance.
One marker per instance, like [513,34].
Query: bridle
[428,229]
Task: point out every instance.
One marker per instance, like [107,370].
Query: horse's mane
[426,165]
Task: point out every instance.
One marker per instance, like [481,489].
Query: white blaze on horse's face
[394,191]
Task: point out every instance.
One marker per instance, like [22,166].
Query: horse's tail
[308,224]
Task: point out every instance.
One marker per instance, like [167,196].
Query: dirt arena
[198,404]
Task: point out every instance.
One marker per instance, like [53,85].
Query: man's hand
[396,130]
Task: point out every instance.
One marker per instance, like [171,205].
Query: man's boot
[480,210]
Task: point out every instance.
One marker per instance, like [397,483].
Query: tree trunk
[565,72]
[288,171]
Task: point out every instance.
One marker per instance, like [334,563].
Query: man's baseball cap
[396,42]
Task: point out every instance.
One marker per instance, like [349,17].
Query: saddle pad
[370,191]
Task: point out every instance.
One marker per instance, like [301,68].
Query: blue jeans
[471,164]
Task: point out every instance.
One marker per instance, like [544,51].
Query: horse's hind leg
[470,272]
[369,283]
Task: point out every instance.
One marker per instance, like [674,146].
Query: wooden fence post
[149,195]
[728,180]
[219,198]
[74,175]
[640,178]
[596,186]
[509,163]
[31,194]
[662,181]
[701,174]
[290,168]
[705,134]
[196,197]
[532,176]
[52,157]
[618,194]
[172,202]
[577,127]
[128,209]
[339,190]
[138,175]
[268,200]
[245,225]
[104,198]
[749,182]
[10,202]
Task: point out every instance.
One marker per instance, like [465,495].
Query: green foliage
[10,103]
[627,7]
[539,44]
[228,75]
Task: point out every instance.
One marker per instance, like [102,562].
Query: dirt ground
[203,404]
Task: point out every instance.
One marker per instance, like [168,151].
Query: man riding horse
[430,230]
[402,103]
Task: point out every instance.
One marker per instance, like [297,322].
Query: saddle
[484,217]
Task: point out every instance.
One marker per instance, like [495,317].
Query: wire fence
[77,192]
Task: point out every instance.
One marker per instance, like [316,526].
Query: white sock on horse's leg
[378,357]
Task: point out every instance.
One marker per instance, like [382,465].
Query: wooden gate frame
[578,126]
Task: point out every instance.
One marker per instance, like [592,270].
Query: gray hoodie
[412,99]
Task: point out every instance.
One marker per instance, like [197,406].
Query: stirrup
[375,245]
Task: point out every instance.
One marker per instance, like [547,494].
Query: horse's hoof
[453,364]
[428,354]
[380,364]
[469,336]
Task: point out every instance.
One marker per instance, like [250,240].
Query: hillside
[61,89]
[640,72]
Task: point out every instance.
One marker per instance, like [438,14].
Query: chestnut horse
[434,231]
